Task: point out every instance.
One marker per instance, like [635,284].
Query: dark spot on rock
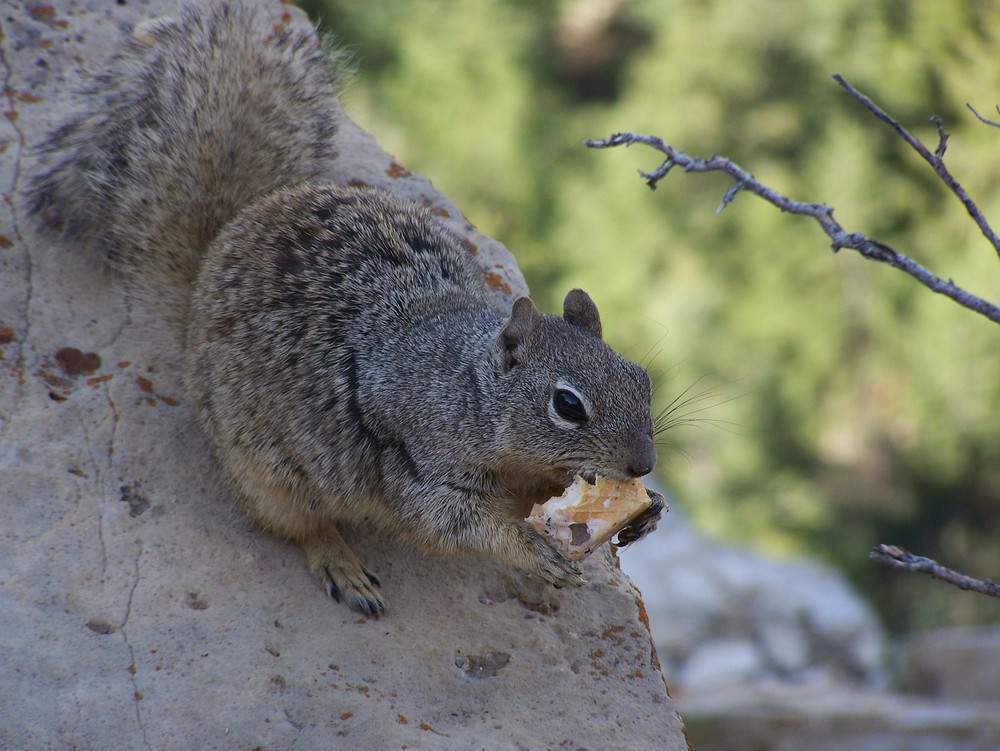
[396,169]
[6,334]
[74,362]
[43,12]
[196,601]
[144,384]
[138,504]
[99,626]
[497,282]
[55,381]
[485,665]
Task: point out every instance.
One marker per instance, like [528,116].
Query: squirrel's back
[168,152]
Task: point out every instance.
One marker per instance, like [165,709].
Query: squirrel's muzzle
[643,457]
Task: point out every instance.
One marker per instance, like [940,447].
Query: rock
[139,610]
[954,663]
[836,718]
[722,663]
[785,646]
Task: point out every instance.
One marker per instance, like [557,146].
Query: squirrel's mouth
[591,475]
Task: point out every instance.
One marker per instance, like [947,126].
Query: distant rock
[955,663]
[726,615]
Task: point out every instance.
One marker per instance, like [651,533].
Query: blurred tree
[854,407]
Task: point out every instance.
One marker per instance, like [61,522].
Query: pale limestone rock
[138,610]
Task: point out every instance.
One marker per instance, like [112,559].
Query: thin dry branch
[873,250]
[982,119]
[935,160]
[897,557]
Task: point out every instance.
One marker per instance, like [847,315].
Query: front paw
[551,566]
[646,522]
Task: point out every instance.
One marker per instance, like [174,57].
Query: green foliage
[848,405]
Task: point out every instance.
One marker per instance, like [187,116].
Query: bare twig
[981,118]
[942,138]
[935,160]
[897,557]
[870,249]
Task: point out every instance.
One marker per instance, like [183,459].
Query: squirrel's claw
[341,574]
[646,522]
[556,570]
[356,592]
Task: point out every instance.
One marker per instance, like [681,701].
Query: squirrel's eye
[569,406]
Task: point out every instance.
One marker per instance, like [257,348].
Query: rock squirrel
[340,354]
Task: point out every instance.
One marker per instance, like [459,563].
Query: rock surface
[956,663]
[138,610]
[783,718]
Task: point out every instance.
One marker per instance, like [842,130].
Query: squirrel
[339,351]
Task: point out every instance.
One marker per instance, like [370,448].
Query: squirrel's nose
[643,458]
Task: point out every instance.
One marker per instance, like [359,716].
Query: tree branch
[873,250]
[935,160]
[870,249]
[982,119]
[897,557]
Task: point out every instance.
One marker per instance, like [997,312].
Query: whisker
[665,373]
[686,406]
[655,345]
[675,448]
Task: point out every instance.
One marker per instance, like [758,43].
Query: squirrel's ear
[519,335]
[580,310]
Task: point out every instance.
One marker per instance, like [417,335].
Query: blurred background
[827,403]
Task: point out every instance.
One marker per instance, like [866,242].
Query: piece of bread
[588,515]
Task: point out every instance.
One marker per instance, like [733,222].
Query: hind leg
[287,509]
[335,566]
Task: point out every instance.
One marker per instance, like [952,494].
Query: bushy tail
[198,116]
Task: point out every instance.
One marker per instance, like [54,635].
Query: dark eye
[569,406]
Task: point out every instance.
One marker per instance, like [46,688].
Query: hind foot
[334,565]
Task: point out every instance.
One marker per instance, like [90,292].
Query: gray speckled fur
[340,353]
